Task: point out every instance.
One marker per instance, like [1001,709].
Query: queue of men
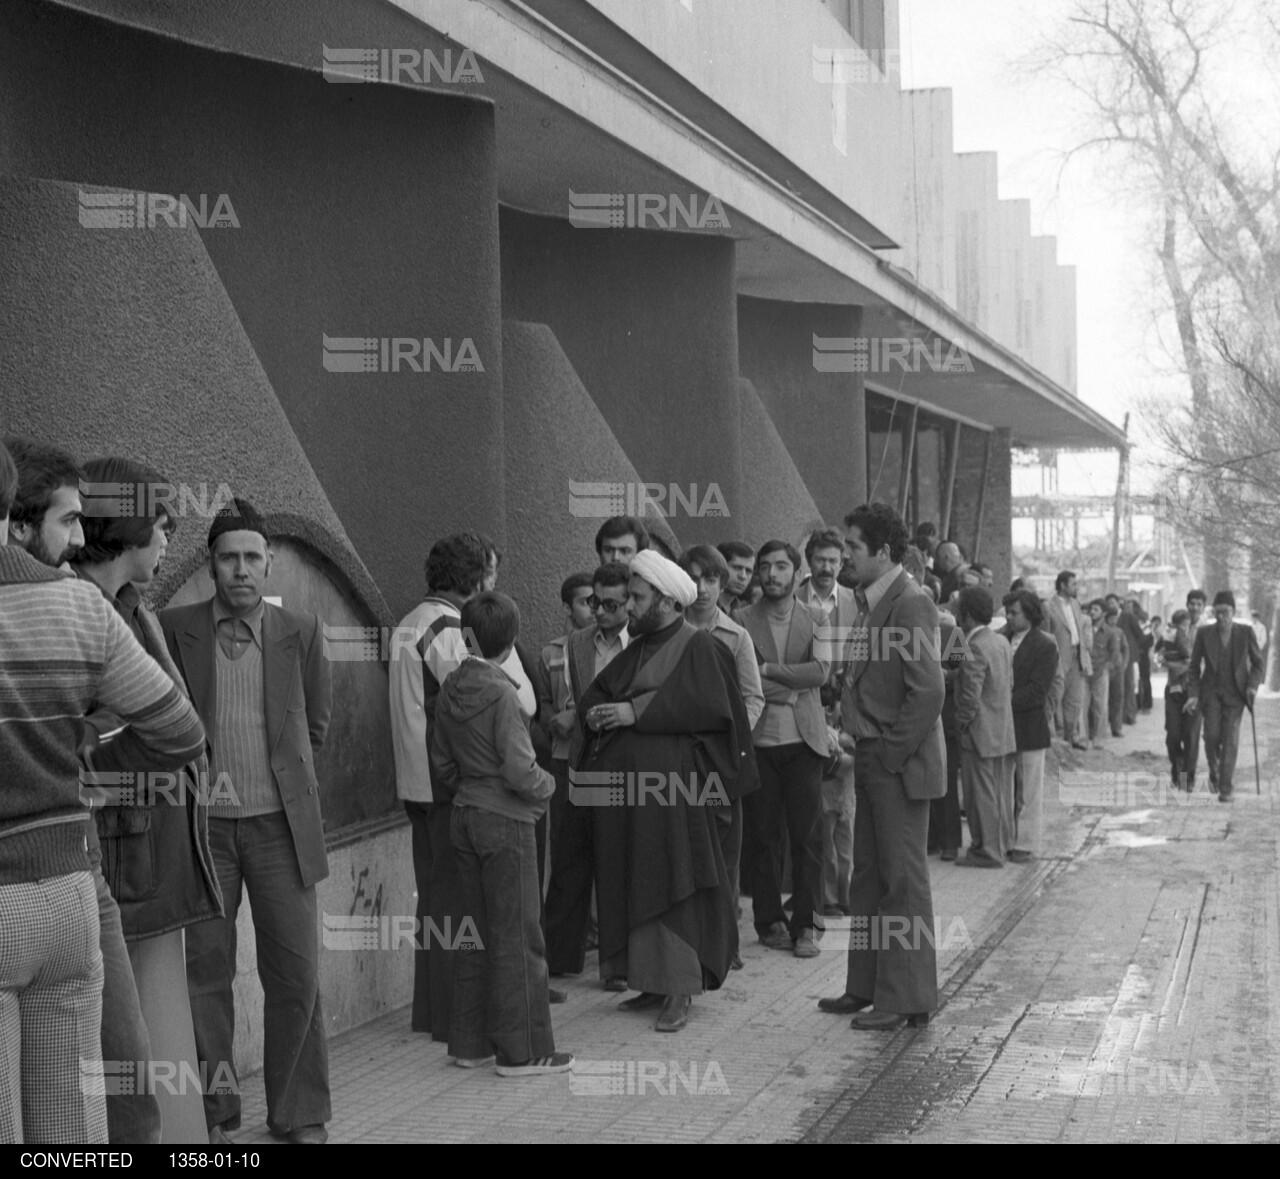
[707,730]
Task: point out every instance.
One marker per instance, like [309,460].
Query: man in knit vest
[260,681]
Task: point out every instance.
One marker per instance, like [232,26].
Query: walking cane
[1257,769]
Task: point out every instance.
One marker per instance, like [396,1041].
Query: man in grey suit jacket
[1222,681]
[984,718]
[892,705]
[259,679]
[1074,636]
[790,740]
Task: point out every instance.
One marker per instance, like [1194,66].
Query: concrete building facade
[441,264]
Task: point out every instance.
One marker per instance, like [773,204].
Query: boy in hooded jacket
[483,758]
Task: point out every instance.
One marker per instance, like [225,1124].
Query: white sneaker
[539,1066]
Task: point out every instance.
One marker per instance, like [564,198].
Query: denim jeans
[499,987]
[568,908]
[258,854]
[132,1119]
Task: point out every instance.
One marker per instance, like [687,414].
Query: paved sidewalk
[1121,989]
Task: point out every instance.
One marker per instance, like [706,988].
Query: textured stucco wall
[372,877]
[648,322]
[552,426]
[365,211]
[777,502]
[821,417]
[124,342]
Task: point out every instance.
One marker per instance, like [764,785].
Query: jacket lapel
[864,642]
[198,662]
[279,658]
[799,632]
[762,633]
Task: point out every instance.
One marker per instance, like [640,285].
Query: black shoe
[642,1002]
[846,1004]
[554,996]
[675,1013]
[617,985]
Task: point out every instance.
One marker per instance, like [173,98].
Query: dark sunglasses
[610,607]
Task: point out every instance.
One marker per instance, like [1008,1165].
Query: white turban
[665,576]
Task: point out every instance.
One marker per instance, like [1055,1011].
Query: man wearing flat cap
[668,742]
[1222,681]
[260,681]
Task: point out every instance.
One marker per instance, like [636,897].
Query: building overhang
[605,118]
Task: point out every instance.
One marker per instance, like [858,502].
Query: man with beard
[792,745]
[45,521]
[46,512]
[670,702]
[832,606]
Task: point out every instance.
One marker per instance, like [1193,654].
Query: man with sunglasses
[587,653]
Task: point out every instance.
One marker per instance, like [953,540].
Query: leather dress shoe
[642,1002]
[778,937]
[617,985]
[1018,856]
[555,996]
[887,1021]
[949,853]
[846,1004]
[674,1014]
[968,861]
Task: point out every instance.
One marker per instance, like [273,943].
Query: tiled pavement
[1120,989]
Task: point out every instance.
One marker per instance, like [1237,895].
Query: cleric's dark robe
[661,882]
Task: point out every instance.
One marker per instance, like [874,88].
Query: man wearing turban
[668,742]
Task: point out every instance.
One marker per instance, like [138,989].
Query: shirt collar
[602,644]
[878,588]
[253,619]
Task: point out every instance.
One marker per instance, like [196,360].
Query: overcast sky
[972,47]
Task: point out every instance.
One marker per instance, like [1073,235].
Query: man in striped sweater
[63,651]
[45,521]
